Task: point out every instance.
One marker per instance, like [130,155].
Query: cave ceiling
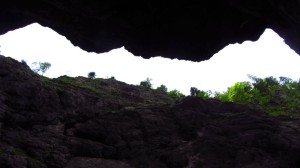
[189,30]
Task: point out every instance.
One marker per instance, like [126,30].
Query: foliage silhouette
[162,88]
[23,62]
[146,83]
[41,67]
[200,93]
[175,94]
[194,91]
[92,75]
[276,97]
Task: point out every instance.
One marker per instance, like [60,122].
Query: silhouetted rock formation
[189,30]
[84,123]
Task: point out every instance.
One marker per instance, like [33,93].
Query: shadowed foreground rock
[84,123]
[190,30]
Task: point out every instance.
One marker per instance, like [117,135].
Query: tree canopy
[278,97]
[146,83]
[92,75]
[41,67]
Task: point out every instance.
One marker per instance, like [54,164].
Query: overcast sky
[269,56]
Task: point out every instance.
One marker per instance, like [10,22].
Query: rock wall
[84,123]
[189,30]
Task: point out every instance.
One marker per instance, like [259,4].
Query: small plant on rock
[92,75]
[146,83]
[175,94]
[162,88]
[194,91]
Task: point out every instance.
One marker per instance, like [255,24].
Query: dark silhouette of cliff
[86,123]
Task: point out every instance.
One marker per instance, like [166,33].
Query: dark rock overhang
[190,30]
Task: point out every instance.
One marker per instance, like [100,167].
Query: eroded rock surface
[189,30]
[84,123]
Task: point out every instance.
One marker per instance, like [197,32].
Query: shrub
[194,91]
[92,75]
[112,78]
[200,93]
[204,94]
[146,83]
[240,92]
[175,94]
[277,97]
[162,88]
[23,62]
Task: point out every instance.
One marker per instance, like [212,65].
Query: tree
[23,62]
[175,94]
[222,96]
[200,93]
[41,67]
[265,91]
[240,92]
[204,94]
[162,88]
[112,78]
[284,80]
[194,91]
[92,75]
[276,97]
[146,83]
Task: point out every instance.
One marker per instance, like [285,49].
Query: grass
[46,82]
[278,113]
[31,160]
[63,81]
[1,152]
[281,112]
[109,89]
[19,152]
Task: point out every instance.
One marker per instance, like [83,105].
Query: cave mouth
[268,56]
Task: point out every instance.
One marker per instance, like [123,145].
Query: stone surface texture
[189,30]
[84,123]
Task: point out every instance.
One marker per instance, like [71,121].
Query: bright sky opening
[269,56]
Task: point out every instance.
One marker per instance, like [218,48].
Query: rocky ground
[84,123]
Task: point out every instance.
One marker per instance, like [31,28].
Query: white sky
[269,56]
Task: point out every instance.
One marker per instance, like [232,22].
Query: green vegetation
[63,82]
[112,78]
[92,75]
[116,95]
[193,91]
[41,67]
[240,92]
[31,160]
[162,88]
[1,152]
[200,93]
[146,83]
[88,85]
[277,97]
[175,94]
